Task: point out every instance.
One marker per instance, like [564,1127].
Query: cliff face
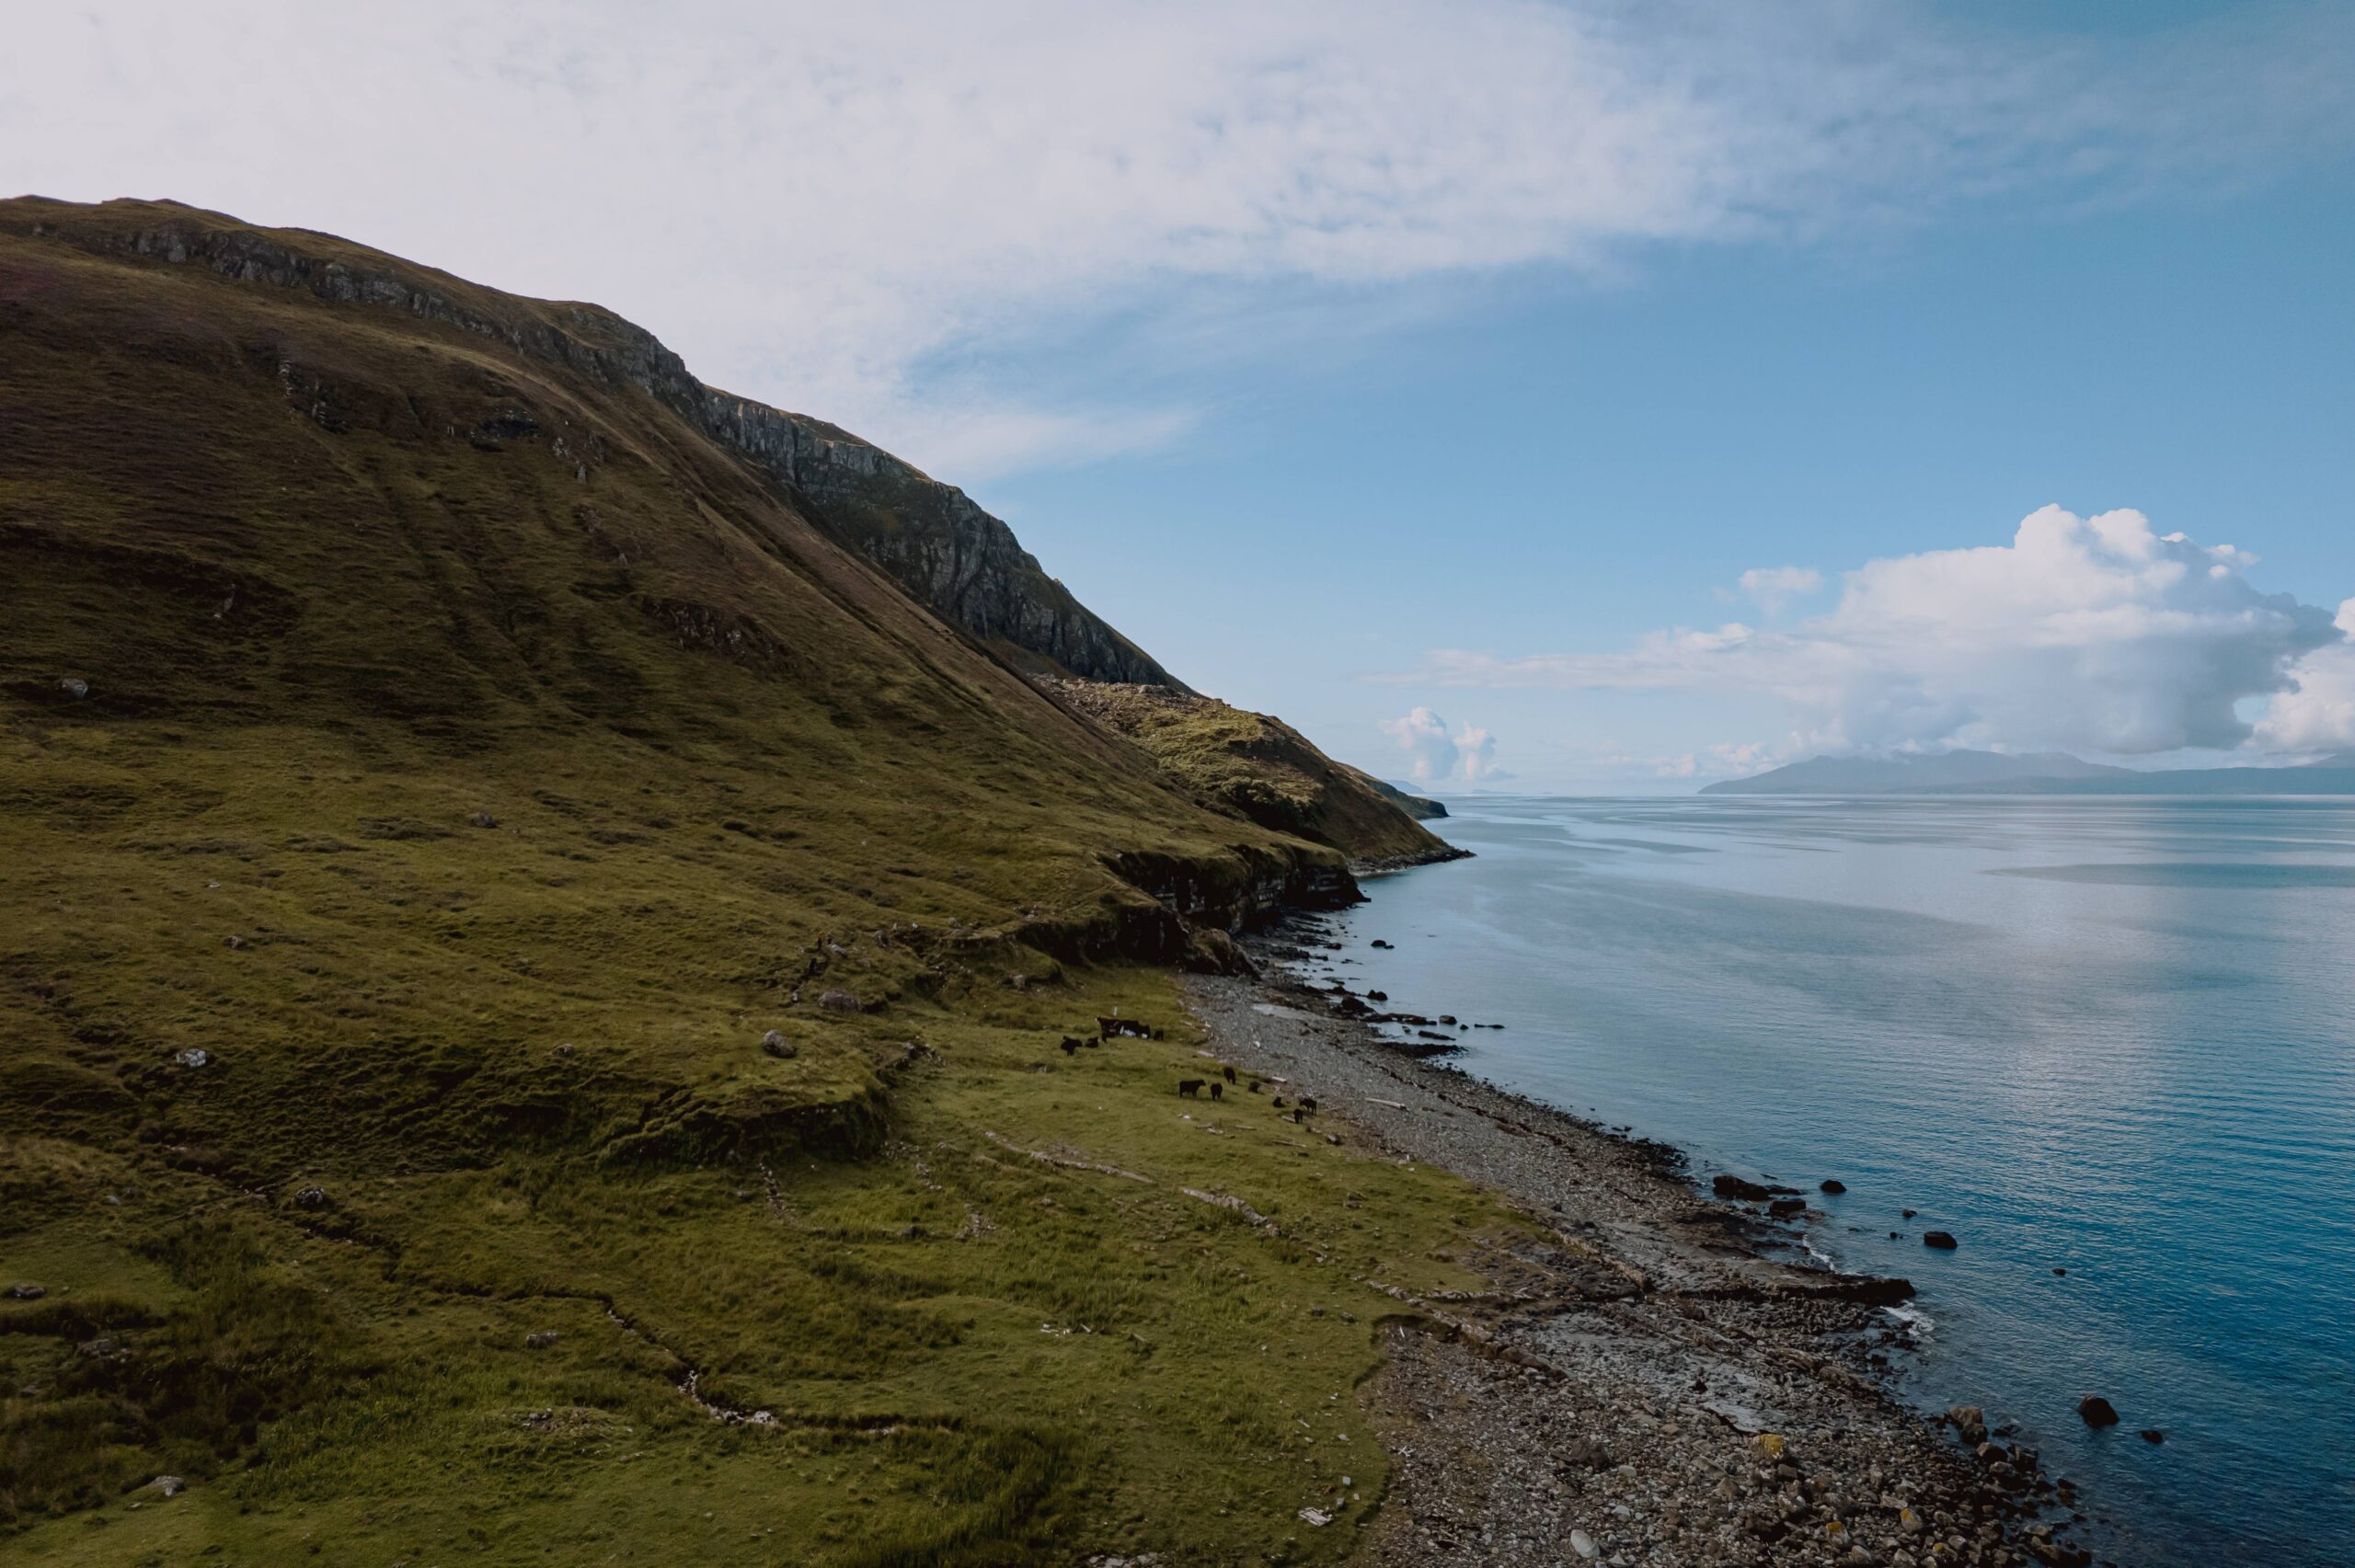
[951,555]
[960,561]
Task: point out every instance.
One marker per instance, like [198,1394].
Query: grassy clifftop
[430,764]
[1261,768]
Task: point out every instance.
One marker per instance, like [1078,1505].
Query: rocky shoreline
[1653,1385]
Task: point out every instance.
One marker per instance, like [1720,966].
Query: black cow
[1070,1046]
[1230,1073]
[1114,1028]
[1217,1089]
[1191,1087]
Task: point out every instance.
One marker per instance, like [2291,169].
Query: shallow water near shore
[2110,1036]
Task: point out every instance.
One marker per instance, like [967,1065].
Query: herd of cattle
[1188,1088]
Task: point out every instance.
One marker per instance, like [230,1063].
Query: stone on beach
[1520,1412]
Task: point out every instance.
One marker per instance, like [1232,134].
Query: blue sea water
[2111,1037]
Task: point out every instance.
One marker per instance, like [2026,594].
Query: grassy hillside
[1261,768]
[1421,808]
[430,765]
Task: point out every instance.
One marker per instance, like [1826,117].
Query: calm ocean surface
[2108,1036]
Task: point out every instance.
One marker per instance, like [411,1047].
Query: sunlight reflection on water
[2107,1035]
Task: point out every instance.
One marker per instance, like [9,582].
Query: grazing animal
[1254,1086]
[1280,1102]
[1298,1116]
[1070,1046]
[1191,1087]
[1308,1102]
[1218,1090]
[1115,1028]
[1229,1072]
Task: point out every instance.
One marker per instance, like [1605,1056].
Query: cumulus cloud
[2318,715]
[1435,756]
[1726,760]
[1770,588]
[2095,634]
[859,211]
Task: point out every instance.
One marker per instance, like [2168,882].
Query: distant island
[2036,772]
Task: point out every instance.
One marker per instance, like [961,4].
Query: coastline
[1658,1387]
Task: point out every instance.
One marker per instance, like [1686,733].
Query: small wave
[1918,1323]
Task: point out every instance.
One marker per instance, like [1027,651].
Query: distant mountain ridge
[1912,772]
[2038,773]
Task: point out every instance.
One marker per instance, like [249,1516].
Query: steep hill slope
[521,947]
[1421,808]
[941,547]
[1261,768]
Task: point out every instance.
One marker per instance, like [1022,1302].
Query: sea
[2114,1037]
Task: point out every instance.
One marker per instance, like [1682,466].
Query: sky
[1594,396]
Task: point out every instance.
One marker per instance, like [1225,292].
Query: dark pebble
[2152,1435]
[1834,1186]
[1939,1240]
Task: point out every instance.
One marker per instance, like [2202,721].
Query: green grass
[1259,768]
[722,764]
[971,1355]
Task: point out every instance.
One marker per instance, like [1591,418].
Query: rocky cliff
[963,562]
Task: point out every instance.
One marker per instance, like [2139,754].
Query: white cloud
[857,209]
[2319,716]
[1475,758]
[1435,756]
[2094,634]
[1770,588]
[1726,760]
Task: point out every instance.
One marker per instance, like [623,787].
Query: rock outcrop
[1260,769]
